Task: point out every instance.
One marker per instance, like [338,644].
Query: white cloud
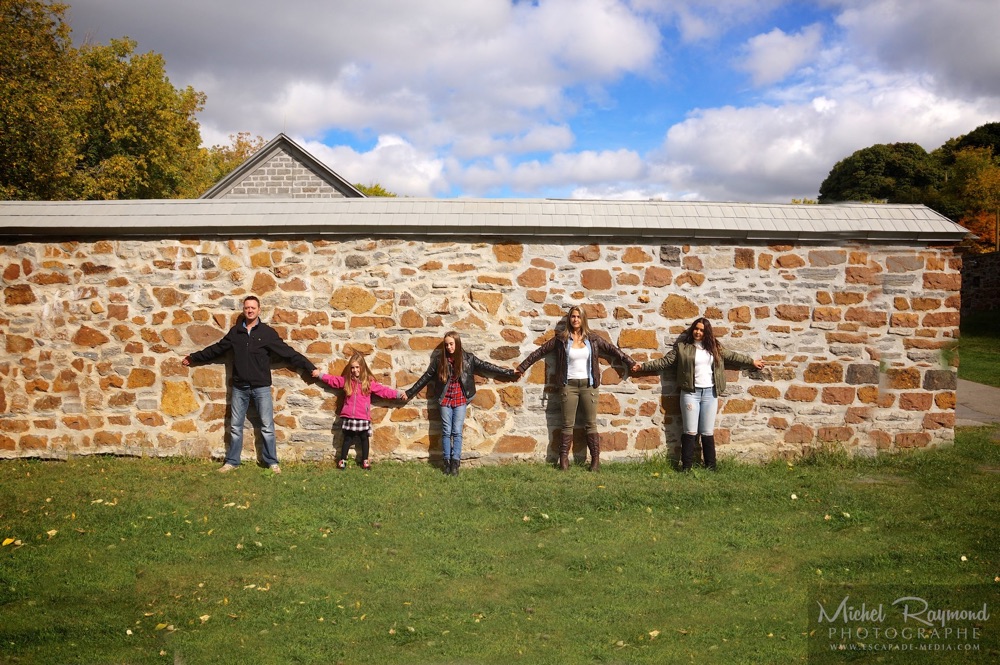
[531,178]
[771,57]
[459,92]
[393,163]
[780,152]
[954,44]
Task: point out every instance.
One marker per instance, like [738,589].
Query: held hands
[636,367]
[758,363]
[186,361]
[316,373]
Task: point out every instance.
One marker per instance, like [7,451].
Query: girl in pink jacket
[356,413]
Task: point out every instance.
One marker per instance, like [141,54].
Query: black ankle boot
[455,463]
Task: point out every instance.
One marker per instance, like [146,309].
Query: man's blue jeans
[238,406]
[452,423]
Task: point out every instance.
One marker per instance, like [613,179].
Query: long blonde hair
[584,326]
[365,378]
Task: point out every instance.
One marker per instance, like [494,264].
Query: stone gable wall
[282,177]
[857,341]
[980,283]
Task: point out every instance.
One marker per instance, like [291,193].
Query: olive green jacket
[682,357]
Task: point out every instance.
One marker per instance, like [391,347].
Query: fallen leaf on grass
[7,541]
[204,617]
[52,532]
[653,634]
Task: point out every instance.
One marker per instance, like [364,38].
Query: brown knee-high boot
[564,447]
[594,445]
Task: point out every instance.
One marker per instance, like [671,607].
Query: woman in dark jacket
[454,371]
[578,374]
[700,362]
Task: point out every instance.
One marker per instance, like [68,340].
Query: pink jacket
[359,405]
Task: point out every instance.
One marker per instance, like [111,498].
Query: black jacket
[471,365]
[252,354]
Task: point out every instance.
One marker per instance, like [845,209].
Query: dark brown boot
[594,445]
[564,447]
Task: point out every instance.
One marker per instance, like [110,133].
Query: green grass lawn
[112,560]
[979,349]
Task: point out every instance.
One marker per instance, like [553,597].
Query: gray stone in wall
[858,374]
[670,255]
[940,379]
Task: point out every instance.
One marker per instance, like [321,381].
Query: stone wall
[856,339]
[980,283]
[282,177]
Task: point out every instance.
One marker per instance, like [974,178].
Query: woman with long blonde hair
[578,374]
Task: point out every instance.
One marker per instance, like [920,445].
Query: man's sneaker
[341,464]
[226,468]
[276,469]
[366,465]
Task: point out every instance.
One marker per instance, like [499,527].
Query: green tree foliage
[960,179]
[985,136]
[140,139]
[374,190]
[38,101]
[896,173]
[99,122]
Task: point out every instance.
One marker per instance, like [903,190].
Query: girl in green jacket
[700,362]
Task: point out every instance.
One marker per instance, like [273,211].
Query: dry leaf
[7,541]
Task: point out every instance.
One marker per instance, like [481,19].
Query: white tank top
[578,361]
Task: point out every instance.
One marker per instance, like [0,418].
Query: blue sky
[725,100]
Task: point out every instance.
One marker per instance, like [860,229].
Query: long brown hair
[365,378]
[584,326]
[456,357]
[708,340]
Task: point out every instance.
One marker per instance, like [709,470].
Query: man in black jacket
[252,342]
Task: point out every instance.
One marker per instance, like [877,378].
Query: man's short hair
[254,298]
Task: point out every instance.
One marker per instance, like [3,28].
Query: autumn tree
[139,136]
[374,190]
[99,122]
[223,159]
[38,101]
[975,183]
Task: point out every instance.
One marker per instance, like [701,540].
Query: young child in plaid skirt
[358,385]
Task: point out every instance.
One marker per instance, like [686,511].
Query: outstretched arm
[424,379]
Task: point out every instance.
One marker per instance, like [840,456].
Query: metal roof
[525,218]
